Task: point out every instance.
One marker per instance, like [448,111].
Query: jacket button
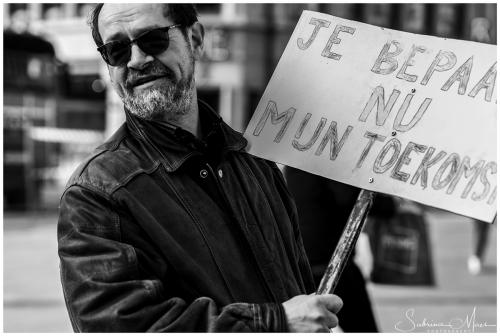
[220,173]
[203,173]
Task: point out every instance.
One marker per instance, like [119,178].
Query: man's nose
[138,58]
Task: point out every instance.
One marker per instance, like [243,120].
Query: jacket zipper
[230,209]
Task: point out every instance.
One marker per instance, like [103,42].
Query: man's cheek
[120,90]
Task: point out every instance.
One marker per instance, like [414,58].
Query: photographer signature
[468,323]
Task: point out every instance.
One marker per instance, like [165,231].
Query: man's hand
[312,313]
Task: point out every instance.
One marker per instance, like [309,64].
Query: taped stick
[347,242]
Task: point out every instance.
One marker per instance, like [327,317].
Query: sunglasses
[152,42]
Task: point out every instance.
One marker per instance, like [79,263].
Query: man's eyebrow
[120,35]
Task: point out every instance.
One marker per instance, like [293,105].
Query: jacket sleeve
[105,291]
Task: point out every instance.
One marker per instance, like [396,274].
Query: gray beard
[166,103]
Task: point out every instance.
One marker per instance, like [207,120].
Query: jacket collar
[173,145]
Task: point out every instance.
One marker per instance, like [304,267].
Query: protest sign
[392,112]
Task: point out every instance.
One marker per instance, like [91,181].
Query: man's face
[151,86]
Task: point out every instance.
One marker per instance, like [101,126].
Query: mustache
[156,69]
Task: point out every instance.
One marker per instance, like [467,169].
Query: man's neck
[191,120]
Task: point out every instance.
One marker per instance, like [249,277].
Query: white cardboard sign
[403,114]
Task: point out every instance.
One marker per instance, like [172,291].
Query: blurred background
[58,106]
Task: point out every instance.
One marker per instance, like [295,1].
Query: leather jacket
[143,247]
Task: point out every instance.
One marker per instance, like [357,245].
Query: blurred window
[448,20]
[14,137]
[209,8]
[217,45]
[480,30]
[19,20]
[23,70]
[413,18]
[82,10]
[14,7]
[377,14]
[74,115]
[51,11]
[84,87]
[345,11]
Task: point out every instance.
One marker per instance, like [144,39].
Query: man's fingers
[312,313]
[331,320]
[331,302]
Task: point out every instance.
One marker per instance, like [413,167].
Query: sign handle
[347,242]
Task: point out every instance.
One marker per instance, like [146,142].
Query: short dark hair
[184,14]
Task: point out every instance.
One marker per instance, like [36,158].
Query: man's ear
[197,38]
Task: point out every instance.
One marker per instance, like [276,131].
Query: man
[170,225]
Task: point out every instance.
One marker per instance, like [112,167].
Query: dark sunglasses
[152,42]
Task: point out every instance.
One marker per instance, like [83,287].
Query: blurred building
[54,101]
[243,45]
[30,101]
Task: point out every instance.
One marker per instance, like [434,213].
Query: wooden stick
[347,242]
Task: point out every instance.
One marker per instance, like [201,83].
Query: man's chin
[156,101]
[155,109]
[150,115]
